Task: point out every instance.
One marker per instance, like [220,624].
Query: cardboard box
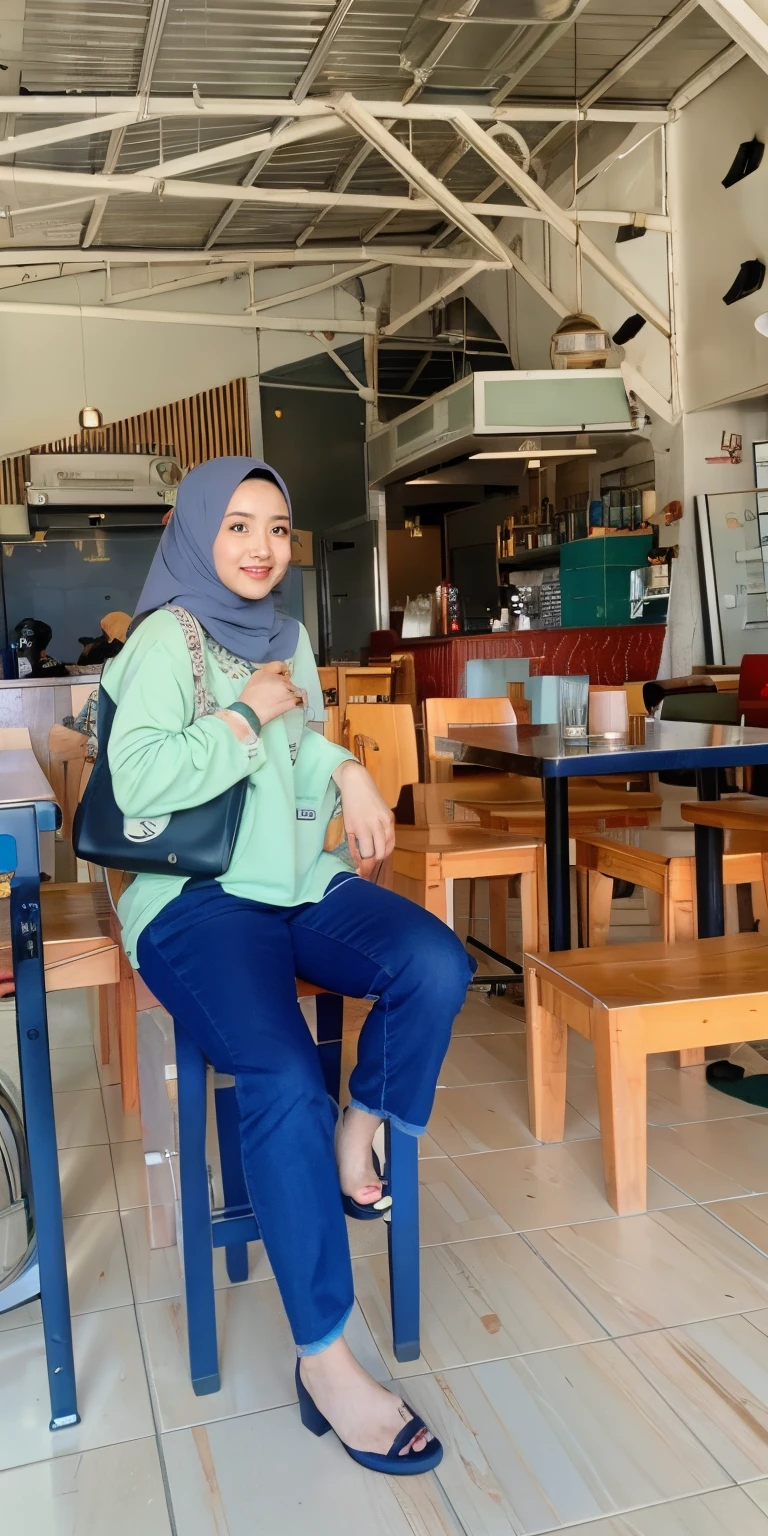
[301,547]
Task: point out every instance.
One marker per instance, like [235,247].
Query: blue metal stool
[234,1225]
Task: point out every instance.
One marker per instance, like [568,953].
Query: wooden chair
[632,1000]
[427,859]
[439,714]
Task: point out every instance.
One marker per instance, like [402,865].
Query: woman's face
[252,549]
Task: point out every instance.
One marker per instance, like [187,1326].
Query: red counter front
[620,654]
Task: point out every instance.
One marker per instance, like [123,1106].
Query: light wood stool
[631,1000]
[664,863]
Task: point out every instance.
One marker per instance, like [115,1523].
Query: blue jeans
[225,968]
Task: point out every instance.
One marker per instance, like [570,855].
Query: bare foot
[354,1144]
[365,1416]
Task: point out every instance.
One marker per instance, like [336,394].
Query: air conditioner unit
[102,480]
[510,410]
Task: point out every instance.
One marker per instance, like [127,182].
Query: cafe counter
[613,654]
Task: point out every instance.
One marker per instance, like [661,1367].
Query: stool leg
[547,1048]
[232,1175]
[680,925]
[599,898]
[330,1028]
[403,1241]
[498,896]
[196,1218]
[621,1066]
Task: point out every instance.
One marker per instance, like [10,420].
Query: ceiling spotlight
[749,280]
[534,463]
[747,159]
[761,325]
[629,329]
[629,232]
[90,417]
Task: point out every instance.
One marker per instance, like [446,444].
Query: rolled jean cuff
[383,1114]
[328,1339]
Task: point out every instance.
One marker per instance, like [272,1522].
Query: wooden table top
[22,781]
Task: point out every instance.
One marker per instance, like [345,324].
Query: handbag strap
[205,703]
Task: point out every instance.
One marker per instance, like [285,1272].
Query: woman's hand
[368,821]
[270,692]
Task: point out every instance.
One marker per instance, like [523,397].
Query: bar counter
[614,654]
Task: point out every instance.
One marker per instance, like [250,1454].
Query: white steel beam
[339,184]
[309,289]
[20,143]
[417,174]
[746,23]
[705,77]
[152,36]
[320,106]
[524,56]
[431,299]
[242,322]
[306,79]
[74,257]
[646,44]
[465,215]
[237,149]
[646,392]
[363,390]
[194,280]
[505,166]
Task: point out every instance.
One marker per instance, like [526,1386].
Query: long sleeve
[160,762]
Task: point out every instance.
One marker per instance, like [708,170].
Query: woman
[222,955]
[114,630]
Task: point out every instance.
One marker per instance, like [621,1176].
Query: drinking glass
[574,702]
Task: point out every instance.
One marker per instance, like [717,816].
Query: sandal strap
[408,1432]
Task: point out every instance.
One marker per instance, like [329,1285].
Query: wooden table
[27,808]
[538,751]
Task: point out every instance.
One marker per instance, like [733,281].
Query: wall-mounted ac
[102,480]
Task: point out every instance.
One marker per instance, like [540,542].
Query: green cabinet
[594,578]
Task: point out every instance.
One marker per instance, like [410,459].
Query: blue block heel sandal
[377,1208]
[393,1463]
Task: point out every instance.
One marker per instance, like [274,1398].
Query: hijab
[183,571]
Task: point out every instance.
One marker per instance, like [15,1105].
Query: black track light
[629,329]
[629,232]
[749,280]
[747,159]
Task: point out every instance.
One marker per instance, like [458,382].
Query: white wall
[714,230]
[525,321]
[131,368]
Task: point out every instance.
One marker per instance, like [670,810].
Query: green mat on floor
[728,1078]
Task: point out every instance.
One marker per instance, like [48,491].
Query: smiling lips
[258,572]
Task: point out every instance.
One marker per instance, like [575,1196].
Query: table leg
[708,843]
[20,823]
[558,869]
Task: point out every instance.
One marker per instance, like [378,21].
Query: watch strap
[247,714]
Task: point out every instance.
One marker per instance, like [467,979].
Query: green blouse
[162,760]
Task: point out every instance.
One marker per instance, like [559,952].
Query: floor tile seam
[639,1509]
[51,1461]
[155,1412]
[692,1432]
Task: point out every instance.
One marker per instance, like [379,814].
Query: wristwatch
[247,714]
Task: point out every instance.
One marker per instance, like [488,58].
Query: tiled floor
[585,1373]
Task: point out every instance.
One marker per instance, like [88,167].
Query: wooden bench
[631,1000]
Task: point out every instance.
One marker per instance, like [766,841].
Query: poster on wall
[732,543]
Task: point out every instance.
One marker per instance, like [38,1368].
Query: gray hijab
[183,571]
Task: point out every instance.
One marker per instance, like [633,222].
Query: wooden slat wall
[198,428]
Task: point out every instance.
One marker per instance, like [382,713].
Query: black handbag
[197,842]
